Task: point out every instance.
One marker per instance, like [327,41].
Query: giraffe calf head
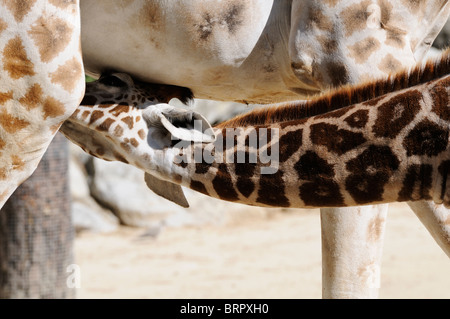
[123,119]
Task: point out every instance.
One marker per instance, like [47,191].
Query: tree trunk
[36,233]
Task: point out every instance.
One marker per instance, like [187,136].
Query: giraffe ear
[181,124]
[167,190]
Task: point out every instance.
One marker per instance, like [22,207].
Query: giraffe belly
[231,51]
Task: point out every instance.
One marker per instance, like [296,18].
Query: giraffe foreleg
[436,219]
[352,244]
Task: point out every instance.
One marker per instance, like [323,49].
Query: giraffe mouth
[167,124]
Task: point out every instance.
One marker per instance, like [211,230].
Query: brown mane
[344,96]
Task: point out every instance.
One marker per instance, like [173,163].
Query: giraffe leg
[436,218]
[352,244]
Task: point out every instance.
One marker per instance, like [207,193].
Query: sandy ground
[275,255]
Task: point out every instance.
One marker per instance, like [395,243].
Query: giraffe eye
[112,80]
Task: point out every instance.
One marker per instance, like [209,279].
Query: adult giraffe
[41,81]
[265,51]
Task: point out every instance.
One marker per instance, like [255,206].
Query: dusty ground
[271,256]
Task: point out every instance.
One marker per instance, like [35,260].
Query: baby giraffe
[380,142]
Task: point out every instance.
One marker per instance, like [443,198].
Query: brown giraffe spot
[17,163]
[116,111]
[152,16]
[95,116]
[289,144]
[128,121]
[395,37]
[416,6]
[321,193]
[223,184]
[106,125]
[118,131]
[19,8]
[134,142]
[126,145]
[85,115]
[51,35]
[106,105]
[33,97]
[53,108]
[5,97]
[10,123]
[244,172]
[386,11]
[417,183]
[342,141]
[181,161]
[441,101]
[328,44]
[2,144]
[141,134]
[15,60]
[358,119]
[396,113]
[68,74]
[320,189]
[338,73]
[389,64]
[426,138]
[199,187]
[355,17]
[271,190]
[362,50]
[245,186]
[311,166]
[369,173]
[202,168]
[317,19]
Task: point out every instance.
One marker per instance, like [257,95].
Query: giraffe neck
[393,148]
